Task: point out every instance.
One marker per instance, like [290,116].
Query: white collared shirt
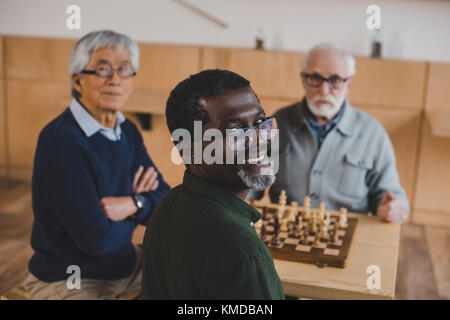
[90,126]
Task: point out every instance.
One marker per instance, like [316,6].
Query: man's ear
[349,85]
[76,82]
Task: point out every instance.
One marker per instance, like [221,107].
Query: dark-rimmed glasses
[107,72]
[315,80]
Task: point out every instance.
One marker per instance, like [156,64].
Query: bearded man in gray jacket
[333,152]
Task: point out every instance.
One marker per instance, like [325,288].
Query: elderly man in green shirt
[200,242]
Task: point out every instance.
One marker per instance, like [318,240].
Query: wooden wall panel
[272,74]
[270,105]
[159,146]
[38,58]
[438,88]
[3,137]
[163,66]
[403,129]
[433,183]
[31,104]
[389,83]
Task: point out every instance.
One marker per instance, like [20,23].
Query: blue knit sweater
[71,174]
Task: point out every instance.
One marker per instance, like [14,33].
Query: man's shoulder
[365,121]
[62,130]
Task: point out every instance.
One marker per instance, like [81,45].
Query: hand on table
[391,209]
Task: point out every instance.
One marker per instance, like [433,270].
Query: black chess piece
[276,230]
[263,234]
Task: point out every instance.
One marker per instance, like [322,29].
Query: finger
[151,180]
[137,175]
[153,186]
[146,178]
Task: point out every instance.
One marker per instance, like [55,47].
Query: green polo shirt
[200,243]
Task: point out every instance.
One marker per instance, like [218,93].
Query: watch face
[139,201]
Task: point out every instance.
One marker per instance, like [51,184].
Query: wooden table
[374,243]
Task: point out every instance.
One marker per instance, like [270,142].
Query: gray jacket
[354,167]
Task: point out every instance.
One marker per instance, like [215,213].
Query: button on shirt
[90,126]
[353,168]
[200,243]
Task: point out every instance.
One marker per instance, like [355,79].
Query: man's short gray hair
[81,52]
[351,70]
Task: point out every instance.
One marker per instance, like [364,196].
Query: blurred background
[405,83]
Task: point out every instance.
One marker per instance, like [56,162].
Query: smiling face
[236,109]
[104,94]
[325,101]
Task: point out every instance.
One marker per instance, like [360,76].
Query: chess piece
[316,239]
[291,214]
[281,204]
[284,227]
[314,222]
[307,208]
[321,211]
[298,226]
[276,230]
[343,218]
[323,230]
[336,235]
[263,234]
[328,218]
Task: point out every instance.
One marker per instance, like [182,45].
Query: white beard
[259,183]
[325,111]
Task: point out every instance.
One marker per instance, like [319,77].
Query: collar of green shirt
[212,191]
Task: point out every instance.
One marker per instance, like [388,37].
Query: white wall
[412,29]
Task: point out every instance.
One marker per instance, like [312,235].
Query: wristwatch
[139,201]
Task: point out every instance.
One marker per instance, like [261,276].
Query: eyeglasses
[237,136]
[107,72]
[315,80]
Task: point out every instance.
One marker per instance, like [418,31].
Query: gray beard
[260,183]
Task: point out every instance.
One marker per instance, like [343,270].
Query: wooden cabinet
[271,73]
[389,83]
[433,176]
[3,137]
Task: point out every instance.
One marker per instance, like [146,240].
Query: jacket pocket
[352,182]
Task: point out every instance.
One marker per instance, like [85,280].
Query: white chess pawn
[321,211]
[314,222]
[343,218]
[307,207]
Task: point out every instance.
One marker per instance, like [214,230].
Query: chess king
[332,151]
[202,243]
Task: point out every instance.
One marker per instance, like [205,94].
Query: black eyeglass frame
[95,72]
[323,79]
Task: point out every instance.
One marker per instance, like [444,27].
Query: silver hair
[81,52]
[351,70]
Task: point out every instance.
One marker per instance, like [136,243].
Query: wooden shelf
[440,122]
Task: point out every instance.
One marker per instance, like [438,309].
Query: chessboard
[305,234]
